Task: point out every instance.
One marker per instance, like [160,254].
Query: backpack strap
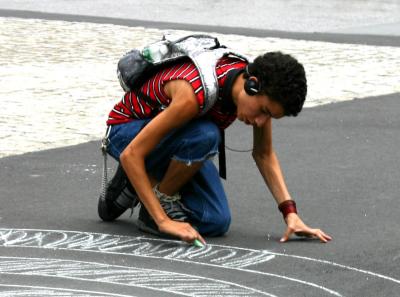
[228,106]
[222,156]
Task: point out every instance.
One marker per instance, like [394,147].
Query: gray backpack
[135,67]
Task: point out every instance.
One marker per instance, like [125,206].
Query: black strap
[227,106]
[227,101]
[221,156]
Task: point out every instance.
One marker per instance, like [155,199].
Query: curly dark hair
[282,78]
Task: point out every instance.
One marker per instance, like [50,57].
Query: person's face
[256,110]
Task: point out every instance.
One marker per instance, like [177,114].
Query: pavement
[341,165]
[366,17]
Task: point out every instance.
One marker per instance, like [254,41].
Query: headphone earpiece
[252,86]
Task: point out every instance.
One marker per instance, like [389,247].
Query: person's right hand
[181,230]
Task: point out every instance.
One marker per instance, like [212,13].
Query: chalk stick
[198,243]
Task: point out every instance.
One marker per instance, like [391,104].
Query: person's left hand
[295,225]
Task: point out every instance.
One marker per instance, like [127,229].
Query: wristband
[287,207]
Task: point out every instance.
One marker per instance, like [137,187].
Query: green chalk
[197,243]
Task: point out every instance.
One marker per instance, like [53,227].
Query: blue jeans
[197,141]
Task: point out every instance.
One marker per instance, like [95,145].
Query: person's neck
[237,88]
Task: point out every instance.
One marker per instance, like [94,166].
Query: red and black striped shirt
[134,106]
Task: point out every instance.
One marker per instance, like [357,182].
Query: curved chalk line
[175,254]
[231,256]
[50,291]
[327,262]
[165,281]
[340,266]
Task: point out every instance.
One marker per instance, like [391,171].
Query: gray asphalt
[353,38]
[334,16]
[341,162]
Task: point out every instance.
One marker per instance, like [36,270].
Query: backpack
[138,65]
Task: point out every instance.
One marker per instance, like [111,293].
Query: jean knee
[198,142]
[220,225]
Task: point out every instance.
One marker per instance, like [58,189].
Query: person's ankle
[161,188]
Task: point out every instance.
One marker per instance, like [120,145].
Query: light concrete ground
[58,79]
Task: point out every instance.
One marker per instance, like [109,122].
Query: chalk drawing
[165,281]
[136,246]
[38,291]
[224,257]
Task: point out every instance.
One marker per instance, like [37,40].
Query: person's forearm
[270,170]
[134,168]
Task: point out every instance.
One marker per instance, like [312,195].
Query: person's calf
[177,175]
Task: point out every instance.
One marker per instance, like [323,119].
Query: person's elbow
[129,157]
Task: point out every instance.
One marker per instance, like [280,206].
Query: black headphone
[251,85]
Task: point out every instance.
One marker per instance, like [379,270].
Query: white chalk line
[127,269]
[327,262]
[140,247]
[63,289]
[205,264]
[174,259]
[341,266]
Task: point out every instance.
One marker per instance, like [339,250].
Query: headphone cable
[237,151]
